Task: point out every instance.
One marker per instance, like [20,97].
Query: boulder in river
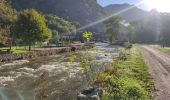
[91,93]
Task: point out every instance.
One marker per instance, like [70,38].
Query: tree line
[154,30]
[151,30]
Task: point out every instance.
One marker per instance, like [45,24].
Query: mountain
[133,14]
[82,11]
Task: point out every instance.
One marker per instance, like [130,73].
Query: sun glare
[160,5]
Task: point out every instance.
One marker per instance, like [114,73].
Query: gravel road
[159,67]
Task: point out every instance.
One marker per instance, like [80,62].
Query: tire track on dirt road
[159,68]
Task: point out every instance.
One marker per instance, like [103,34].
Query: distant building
[67,37]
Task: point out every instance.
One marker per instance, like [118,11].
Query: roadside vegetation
[126,78]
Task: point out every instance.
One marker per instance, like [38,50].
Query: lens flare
[160,5]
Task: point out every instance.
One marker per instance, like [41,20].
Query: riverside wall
[40,53]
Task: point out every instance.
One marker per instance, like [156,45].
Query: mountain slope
[82,11]
[132,14]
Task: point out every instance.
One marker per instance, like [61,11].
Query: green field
[165,49]
[15,49]
[127,78]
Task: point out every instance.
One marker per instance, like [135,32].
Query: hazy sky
[107,2]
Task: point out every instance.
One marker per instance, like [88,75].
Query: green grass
[127,78]
[20,51]
[15,49]
[165,49]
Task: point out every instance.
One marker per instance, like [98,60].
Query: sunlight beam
[2,95]
[106,18]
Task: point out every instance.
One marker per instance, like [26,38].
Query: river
[61,79]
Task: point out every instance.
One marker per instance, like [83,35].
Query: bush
[127,45]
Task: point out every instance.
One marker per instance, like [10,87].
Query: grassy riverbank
[16,49]
[126,78]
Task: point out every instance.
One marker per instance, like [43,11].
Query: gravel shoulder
[159,68]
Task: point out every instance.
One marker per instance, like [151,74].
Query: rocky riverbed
[56,75]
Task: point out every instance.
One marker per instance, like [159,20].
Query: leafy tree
[112,26]
[146,30]
[87,36]
[31,27]
[55,37]
[7,17]
[131,33]
[165,30]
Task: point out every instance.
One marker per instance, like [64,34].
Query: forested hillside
[132,14]
[81,11]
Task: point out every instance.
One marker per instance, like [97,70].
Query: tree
[87,36]
[55,37]
[165,30]
[112,26]
[131,33]
[7,17]
[145,31]
[30,27]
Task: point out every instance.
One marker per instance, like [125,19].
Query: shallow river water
[54,76]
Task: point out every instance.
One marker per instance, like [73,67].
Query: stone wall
[39,53]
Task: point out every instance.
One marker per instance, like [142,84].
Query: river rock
[91,93]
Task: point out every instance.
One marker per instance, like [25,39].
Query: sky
[134,2]
[159,5]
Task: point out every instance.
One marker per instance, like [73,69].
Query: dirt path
[159,67]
